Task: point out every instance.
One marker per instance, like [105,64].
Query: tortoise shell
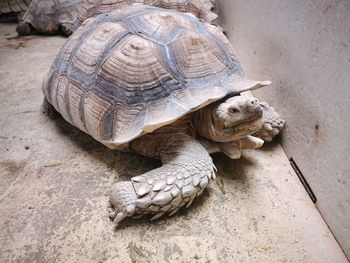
[10,8]
[199,8]
[46,16]
[131,71]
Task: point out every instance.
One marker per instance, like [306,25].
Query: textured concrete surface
[54,184]
[304,48]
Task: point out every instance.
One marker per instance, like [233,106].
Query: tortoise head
[230,119]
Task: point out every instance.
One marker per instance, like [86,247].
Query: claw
[281,124]
[274,132]
[174,211]
[158,215]
[111,215]
[268,126]
[119,217]
[268,138]
[189,203]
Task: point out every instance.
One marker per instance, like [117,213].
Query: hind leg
[24,29]
[48,109]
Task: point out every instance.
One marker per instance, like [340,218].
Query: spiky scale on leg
[149,193]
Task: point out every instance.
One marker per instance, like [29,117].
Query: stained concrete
[54,184]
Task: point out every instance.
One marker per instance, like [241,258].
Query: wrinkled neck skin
[208,126]
[165,140]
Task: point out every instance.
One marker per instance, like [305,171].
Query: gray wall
[303,47]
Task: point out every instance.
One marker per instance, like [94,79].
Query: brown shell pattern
[129,72]
[199,8]
[47,15]
[13,6]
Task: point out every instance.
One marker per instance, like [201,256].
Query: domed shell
[132,71]
[199,8]
[46,16]
[8,7]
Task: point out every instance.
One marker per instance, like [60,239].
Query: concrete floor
[54,184]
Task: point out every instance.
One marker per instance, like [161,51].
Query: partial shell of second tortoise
[200,8]
[49,16]
[12,10]
[127,73]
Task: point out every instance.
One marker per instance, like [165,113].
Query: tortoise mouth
[246,127]
[246,121]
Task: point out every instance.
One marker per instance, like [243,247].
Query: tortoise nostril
[254,101]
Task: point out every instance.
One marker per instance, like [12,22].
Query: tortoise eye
[234,110]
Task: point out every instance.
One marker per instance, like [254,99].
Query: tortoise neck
[206,125]
[203,123]
[154,144]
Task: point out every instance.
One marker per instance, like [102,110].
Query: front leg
[186,172]
[272,123]
[232,149]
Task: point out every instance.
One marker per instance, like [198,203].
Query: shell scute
[89,53]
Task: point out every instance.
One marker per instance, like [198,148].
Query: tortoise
[199,8]
[12,10]
[49,17]
[162,84]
